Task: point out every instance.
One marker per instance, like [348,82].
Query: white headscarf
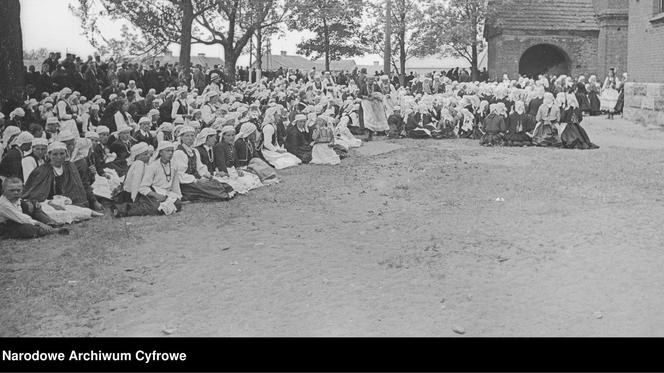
[245,131]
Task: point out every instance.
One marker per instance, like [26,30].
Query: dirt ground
[405,238]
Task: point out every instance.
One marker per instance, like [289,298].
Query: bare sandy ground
[405,238]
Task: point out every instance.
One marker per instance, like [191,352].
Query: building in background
[577,37]
[272,62]
[432,63]
[199,59]
[644,92]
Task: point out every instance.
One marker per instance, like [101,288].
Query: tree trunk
[259,53]
[402,59]
[185,38]
[473,63]
[230,60]
[12,79]
[402,45]
[388,38]
[327,46]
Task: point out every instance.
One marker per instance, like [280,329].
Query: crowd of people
[66,155]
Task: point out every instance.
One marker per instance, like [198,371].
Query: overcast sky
[50,24]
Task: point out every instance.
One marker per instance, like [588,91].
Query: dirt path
[405,238]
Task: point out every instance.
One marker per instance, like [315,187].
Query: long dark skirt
[518,139]
[418,134]
[546,135]
[143,206]
[584,103]
[575,137]
[474,134]
[620,104]
[12,229]
[206,190]
[492,139]
[595,103]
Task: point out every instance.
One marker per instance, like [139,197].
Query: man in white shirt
[17,217]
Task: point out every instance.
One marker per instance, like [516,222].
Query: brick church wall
[644,94]
[506,49]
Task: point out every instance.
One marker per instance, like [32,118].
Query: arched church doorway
[542,59]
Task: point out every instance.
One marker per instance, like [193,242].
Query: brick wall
[646,43]
[506,49]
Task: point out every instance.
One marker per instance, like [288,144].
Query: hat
[299,117]
[185,129]
[245,131]
[226,129]
[396,108]
[17,112]
[162,146]
[214,76]
[102,129]
[137,150]
[23,138]
[144,120]
[56,145]
[112,97]
[37,141]
[178,120]
[202,136]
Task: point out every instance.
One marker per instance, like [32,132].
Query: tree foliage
[456,28]
[406,21]
[336,25]
[156,24]
[36,54]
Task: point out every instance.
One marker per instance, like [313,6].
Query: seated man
[196,182]
[297,140]
[21,219]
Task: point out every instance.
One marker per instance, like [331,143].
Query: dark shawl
[39,183]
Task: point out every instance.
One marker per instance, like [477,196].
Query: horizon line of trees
[339,28]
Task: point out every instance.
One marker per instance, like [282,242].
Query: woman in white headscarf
[274,153]
[548,117]
[519,124]
[572,135]
[231,170]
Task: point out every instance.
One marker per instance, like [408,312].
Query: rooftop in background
[431,63]
[548,15]
[198,59]
[285,61]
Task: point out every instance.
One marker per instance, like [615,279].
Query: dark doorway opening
[544,59]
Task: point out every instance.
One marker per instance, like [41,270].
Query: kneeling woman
[573,136]
[518,125]
[196,182]
[495,127]
[548,116]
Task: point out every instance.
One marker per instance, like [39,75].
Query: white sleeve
[146,181]
[174,110]
[268,131]
[119,120]
[202,169]
[62,111]
[28,164]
